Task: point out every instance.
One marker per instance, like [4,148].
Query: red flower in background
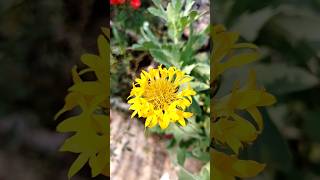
[117,2]
[135,4]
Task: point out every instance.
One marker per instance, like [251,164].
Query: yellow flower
[224,56]
[161,96]
[91,125]
[231,128]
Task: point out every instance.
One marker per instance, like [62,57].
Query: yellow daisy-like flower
[161,96]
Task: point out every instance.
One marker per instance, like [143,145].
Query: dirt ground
[135,155]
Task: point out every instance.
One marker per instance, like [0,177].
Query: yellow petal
[254,112]
[153,122]
[187,114]
[232,166]
[182,121]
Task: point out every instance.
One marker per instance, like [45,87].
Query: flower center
[160,93]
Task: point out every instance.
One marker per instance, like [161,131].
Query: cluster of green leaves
[91,125]
[171,49]
[126,17]
[288,36]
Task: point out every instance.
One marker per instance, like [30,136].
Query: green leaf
[177,4]
[205,172]
[195,108]
[157,12]
[203,70]
[298,24]
[249,25]
[281,78]
[157,3]
[188,7]
[278,78]
[149,35]
[138,47]
[311,125]
[184,21]
[181,156]
[145,46]
[172,14]
[176,131]
[193,16]
[188,51]
[201,155]
[206,124]
[189,68]
[186,175]
[160,57]
[199,86]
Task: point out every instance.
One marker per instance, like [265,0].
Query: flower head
[117,2]
[161,96]
[135,4]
